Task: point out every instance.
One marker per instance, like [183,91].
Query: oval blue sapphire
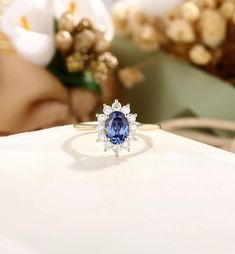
[117,127]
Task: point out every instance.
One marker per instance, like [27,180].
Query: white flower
[37,44]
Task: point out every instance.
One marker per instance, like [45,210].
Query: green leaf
[81,79]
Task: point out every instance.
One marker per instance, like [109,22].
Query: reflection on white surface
[177,197]
[93,157]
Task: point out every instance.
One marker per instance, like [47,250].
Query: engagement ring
[116,127]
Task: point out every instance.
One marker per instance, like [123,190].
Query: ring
[116,127]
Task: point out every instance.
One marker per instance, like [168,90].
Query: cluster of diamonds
[101,127]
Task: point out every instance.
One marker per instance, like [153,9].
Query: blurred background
[173,61]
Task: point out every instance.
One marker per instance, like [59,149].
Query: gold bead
[84,40]
[100,78]
[102,67]
[109,59]
[137,19]
[210,3]
[130,77]
[75,62]
[198,3]
[99,71]
[174,13]
[200,55]
[88,57]
[84,24]
[179,30]
[147,38]
[190,11]
[67,22]
[64,41]
[227,9]
[102,44]
[213,28]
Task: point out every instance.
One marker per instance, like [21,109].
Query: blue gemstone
[117,127]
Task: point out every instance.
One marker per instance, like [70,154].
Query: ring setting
[116,127]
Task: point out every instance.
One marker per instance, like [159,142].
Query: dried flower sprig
[200,31]
[84,48]
[131,76]
[130,21]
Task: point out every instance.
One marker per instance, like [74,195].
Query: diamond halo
[116,127]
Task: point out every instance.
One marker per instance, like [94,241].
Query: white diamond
[107,110]
[100,127]
[132,117]
[102,137]
[133,127]
[126,109]
[116,105]
[131,136]
[126,146]
[108,145]
[117,149]
[101,117]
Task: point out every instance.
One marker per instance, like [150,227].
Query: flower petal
[37,45]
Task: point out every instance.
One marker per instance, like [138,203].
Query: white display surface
[61,194]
